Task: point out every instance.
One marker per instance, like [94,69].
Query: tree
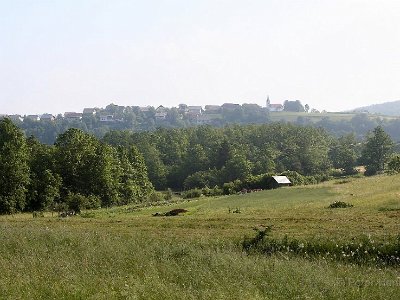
[343,153]
[237,167]
[294,106]
[394,163]
[306,108]
[45,184]
[376,151]
[87,167]
[14,168]
[134,182]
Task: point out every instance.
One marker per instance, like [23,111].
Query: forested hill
[387,108]
[336,124]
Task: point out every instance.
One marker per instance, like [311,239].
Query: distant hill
[387,108]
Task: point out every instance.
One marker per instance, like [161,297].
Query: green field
[126,253]
[286,116]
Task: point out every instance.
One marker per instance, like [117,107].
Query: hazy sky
[58,56]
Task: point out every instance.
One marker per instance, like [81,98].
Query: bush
[92,202]
[262,181]
[194,193]
[77,202]
[294,177]
[168,194]
[202,179]
[228,188]
[370,171]
[156,197]
[216,191]
[363,250]
[340,204]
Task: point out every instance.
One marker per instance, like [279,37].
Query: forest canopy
[83,171]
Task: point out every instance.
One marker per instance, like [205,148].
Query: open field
[126,253]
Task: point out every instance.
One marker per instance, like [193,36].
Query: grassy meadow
[288,116]
[126,253]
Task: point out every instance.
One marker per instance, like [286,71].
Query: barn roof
[281,179]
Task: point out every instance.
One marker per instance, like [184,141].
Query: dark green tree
[343,153]
[237,166]
[394,163]
[376,151]
[134,182]
[294,106]
[14,168]
[45,184]
[87,167]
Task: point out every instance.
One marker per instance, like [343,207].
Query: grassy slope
[125,254]
[315,117]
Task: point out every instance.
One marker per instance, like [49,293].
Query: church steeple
[268,101]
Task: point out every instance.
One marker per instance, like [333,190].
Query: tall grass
[63,261]
[125,253]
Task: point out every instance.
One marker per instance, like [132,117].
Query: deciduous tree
[14,168]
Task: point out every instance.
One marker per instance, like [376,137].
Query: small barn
[279,181]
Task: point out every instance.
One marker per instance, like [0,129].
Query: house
[147,110]
[72,116]
[212,109]
[89,111]
[47,117]
[230,106]
[209,119]
[15,118]
[182,108]
[193,112]
[161,109]
[107,118]
[251,106]
[195,109]
[275,107]
[279,181]
[32,117]
[160,116]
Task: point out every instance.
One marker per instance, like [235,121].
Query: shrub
[202,179]
[77,202]
[294,177]
[193,193]
[92,202]
[343,181]
[228,188]
[174,212]
[262,181]
[363,250]
[370,171]
[340,204]
[155,197]
[216,191]
[168,194]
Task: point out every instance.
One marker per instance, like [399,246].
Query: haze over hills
[388,108]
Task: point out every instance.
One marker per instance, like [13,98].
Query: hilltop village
[198,115]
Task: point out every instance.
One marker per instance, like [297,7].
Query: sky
[58,56]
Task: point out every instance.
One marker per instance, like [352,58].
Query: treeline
[133,119]
[81,171]
[78,171]
[208,156]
